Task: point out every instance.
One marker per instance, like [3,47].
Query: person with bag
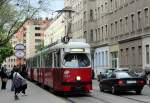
[11,77]
[4,77]
[19,83]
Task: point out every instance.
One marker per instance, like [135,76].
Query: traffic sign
[19,54]
[19,47]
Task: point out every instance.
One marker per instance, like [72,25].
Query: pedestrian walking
[4,77]
[11,77]
[19,83]
[23,71]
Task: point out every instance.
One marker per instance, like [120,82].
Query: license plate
[129,82]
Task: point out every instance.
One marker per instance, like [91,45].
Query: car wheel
[113,90]
[138,91]
[101,87]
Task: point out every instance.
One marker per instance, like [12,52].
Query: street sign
[19,47]
[19,54]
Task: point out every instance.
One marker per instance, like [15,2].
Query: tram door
[57,70]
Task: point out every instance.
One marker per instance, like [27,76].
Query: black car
[122,81]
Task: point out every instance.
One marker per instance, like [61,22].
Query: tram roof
[71,44]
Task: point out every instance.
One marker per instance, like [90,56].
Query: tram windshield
[76,60]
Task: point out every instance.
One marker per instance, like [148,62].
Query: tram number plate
[131,81]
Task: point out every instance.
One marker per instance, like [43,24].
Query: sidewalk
[34,93]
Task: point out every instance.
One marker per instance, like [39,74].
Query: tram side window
[34,62]
[57,59]
[38,61]
[48,60]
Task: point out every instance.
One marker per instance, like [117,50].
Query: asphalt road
[36,94]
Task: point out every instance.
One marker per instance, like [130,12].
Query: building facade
[35,35]
[121,25]
[55,31]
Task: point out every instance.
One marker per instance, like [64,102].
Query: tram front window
[76,60]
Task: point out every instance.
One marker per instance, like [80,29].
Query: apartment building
[35,35]
[55,30]
[118,31]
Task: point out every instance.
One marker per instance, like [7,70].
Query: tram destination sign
[19,47]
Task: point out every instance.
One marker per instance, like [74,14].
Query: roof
[71,44]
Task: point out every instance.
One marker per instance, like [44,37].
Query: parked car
[122,81]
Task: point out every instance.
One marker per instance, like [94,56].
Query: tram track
[70,99]
[100,99]
[129,98]
[135,99]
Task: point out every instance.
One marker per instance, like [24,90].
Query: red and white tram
[64,67]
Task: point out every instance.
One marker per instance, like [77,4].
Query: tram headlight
[78,78]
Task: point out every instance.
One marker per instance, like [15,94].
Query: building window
[37,28]
[132,22]
[139,20]
[96,34]
[84,15]
[121,26]
[102,58]
[91,35]
[114,59]
[140,55]
[116,5]
[116,27]
[91,15]
[111,30]
[127,56]
[102,9]
[146,16]
[106,7]
[133,56]
[111,4]
[106,28]
[102,33]
[147,54]
[85,33]
[98,12]
[95,14]
[106,52]
[126,24]
[37,40]
[37,34]
[121,57]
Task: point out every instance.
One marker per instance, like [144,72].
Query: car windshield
[76,60]
[124,75]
